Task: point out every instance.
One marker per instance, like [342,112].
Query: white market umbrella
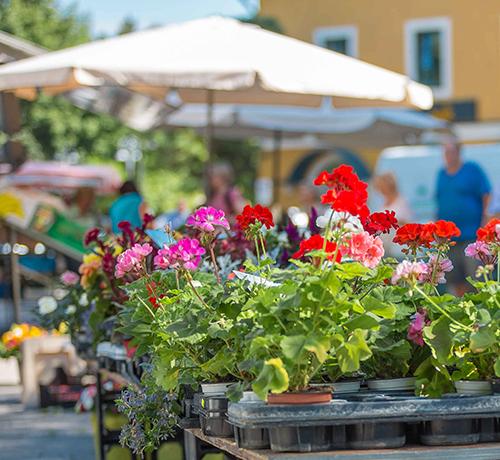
[243,61]
[349,127]
[215,60]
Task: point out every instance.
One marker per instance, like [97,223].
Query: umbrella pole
[277,136]
[209,129]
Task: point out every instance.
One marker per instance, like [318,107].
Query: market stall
[300,343]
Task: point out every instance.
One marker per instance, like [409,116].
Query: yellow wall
[475,43]
[380,23]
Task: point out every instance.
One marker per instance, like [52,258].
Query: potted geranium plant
[464,333]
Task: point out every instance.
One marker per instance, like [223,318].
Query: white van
[416,169]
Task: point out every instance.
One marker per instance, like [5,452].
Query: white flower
[47,304]
[350,223]
[71,310]
[83,301]
[196,283]
[60,293]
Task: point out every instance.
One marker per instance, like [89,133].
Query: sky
[107,15]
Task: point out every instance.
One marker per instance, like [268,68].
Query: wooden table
[487,451]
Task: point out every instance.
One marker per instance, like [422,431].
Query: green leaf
[318,346]
[440,339]
[295,348]
[273,377]
[497,367]
[292,346]
[378,307]
[483,338]
[351,270]
[353,351]
[366,321]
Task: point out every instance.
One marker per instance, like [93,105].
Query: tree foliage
[173,163]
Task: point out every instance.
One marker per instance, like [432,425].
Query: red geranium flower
[351,201]
[412,235]
[381,222]
[488,233]
[347,193]
[315,243]
[441,231]
[91,236]
[252,215]
[324,178]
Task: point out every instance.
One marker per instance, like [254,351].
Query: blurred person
[129,206]
[221,191]
[386,185]
[462,194]
[310,197]
[494,205]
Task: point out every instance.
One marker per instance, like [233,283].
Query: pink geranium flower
[480,250]
[183,255]
[70,278]
[207,219]
[409,271]
[363,248]
[416,327]
[132,260]
[436,271]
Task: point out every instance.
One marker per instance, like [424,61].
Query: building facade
[451,45]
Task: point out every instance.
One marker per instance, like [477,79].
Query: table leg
[190,446]
[100,418]
[16,277]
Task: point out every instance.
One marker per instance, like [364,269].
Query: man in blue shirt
[462,197]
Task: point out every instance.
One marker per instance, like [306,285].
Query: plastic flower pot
[307,438]
[251,438]
[213,418]
[401,385]
[474,387]
[449,432]
[341,388]
[215,388]
[250,396]
[376,435]
[310,397]
[489,430]
[346,387]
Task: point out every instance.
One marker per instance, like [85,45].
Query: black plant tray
[378,409]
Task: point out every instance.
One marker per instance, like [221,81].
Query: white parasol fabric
[239,63]
[352,128]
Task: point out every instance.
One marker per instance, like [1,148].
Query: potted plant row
[300,314]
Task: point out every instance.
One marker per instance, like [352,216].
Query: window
[342,39]
[428,54]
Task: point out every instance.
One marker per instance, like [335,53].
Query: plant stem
[442,311]
[264,252]
[256,242]
[434,268]
[147,307]
[214,261]
[325,238]
[195,291]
